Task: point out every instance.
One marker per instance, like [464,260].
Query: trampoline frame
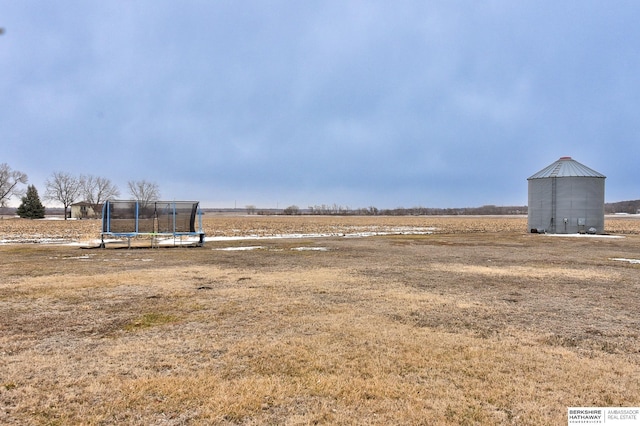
[153,213]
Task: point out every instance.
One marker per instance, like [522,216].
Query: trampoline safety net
[130,218]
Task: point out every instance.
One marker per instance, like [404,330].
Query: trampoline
[131,218]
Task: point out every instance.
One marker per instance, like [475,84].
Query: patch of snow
[310,248]
[91,243]
[586,235]
[367,231]
[35,240]
[268,237]
[392,231]
[84,257]
[171,241]
[622,259]
[239,248]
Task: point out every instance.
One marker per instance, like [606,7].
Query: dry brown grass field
[476,323]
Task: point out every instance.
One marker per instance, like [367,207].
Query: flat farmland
[319,320]
[61,231]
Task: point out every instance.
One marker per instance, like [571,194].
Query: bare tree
[97,190]
[64,188]
[292,210]
[9,181]
[144,192]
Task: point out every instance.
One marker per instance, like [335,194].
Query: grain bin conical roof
[566,167]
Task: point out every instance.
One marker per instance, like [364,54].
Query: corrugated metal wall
[540,209]
[566,204]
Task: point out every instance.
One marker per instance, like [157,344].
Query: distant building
[566,197]
[85,210]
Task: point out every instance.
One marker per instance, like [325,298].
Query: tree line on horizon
[337,210]
[66,189]
[629,207]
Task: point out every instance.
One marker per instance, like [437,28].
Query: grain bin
[566,197]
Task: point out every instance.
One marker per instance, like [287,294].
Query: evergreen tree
[31,207]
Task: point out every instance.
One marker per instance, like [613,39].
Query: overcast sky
[358,103]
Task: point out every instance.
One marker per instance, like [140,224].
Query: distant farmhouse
[85,210]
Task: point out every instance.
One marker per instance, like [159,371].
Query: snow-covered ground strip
[310,249]
[93,243]
[262,247]
[186,240]
[35,240]
[622,259]
[195,240]
[585,235]
[269,237]
[177,241]
[239,248]
[365,232]
[84,257]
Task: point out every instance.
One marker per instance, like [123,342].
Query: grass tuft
[147,320]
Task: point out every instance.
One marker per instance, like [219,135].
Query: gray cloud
[360,103]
